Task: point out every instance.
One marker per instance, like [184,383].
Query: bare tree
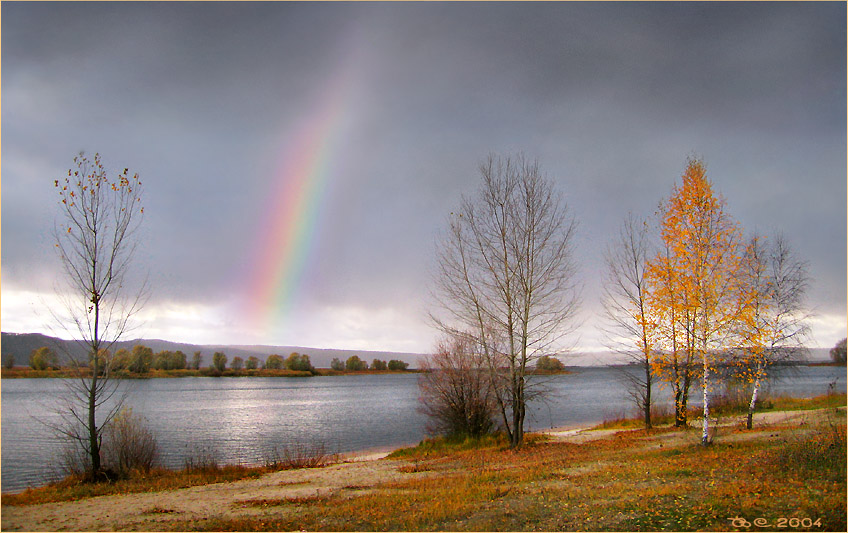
[626,308]
[775,326]
[506,273]
[95,240]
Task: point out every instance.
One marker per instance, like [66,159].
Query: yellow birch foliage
[694,285]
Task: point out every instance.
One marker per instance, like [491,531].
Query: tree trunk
[648,396]
[751,406]
[705,436]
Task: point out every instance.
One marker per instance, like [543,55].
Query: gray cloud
[201,98]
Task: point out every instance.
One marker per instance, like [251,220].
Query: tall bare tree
[95,240]
[506,273]
[625,306]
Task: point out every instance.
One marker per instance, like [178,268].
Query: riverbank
[64,373]
[790,467]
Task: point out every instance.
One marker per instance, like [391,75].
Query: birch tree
[703,244]
[506,273]
[673,358]
[95,241]
[774,327]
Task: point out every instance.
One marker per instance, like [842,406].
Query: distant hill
[20,345]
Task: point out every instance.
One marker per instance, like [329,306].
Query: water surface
[241,420]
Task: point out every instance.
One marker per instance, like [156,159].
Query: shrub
[167,360]
[121,359]
[128,445]
[274,362]
[219,361]
[299,456]
[377,364]
[838,352]
[237,363]
[397,365]
[296,361]
[141,359]
[9,360]
[456,390]
[354,363]
[547,363]
[252,363]
[43,358]
[337,365]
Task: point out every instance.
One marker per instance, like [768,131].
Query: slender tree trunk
[648,395]
[705,436]
[751,406]
[93,436]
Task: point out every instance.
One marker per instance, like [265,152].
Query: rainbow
[300,184]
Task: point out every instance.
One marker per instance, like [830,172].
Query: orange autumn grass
[634,480]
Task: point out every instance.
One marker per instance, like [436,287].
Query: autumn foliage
[708,300]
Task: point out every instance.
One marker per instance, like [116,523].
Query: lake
[242,420]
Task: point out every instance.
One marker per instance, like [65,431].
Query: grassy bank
[788,472]
[635,480]
[724,408]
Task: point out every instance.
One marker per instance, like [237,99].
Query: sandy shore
[360,472]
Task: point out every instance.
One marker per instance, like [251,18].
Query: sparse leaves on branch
[95,238]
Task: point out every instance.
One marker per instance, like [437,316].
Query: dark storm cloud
[201,98]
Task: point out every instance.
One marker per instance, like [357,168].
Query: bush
[377,364]
[252,363]
[299,456]
[43,358]
[237,363]
[9,361]
[547,363]
[354,363]
[296,361]
[128,445]
[397,365]
[838,352]
[167,360]
[141,359]
[219,361]
[456,391]
[274,362]
[337,365]
[121,359]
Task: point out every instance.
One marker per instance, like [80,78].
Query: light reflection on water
[242,420]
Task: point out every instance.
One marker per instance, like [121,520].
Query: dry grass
[635,480]
[158,479]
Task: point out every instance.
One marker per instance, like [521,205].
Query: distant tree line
[355,364]
[141,359]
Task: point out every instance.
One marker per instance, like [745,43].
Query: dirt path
[142,511]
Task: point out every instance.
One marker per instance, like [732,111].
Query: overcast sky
[209,103]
